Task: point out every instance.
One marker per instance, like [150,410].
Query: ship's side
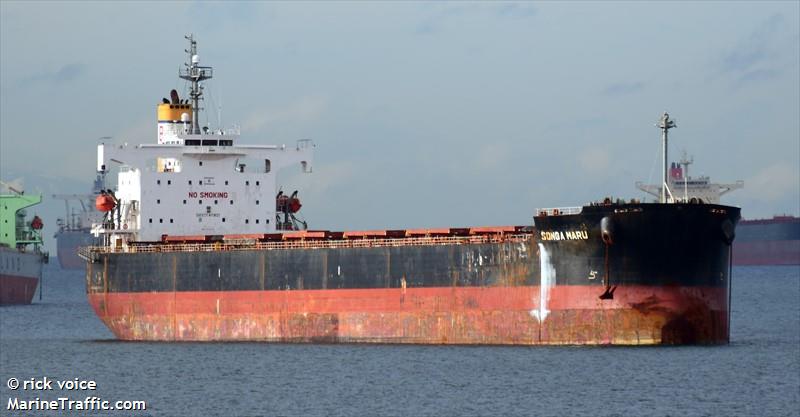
[636,274]
[539,287]
[435,289]
[67,244]
[773,241]
[19,276]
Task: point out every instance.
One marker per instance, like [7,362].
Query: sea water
[60,338]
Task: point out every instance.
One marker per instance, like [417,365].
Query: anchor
[607,234]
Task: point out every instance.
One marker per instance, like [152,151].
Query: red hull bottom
[16,289]
[637,315]
[767,252]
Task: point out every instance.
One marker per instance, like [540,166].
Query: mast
[665,124]
[195,73]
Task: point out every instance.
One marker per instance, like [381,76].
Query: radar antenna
[665,124]
[195,73]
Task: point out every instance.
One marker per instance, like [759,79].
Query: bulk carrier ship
[197,247]
[774,241]
[75,228]
[21,255]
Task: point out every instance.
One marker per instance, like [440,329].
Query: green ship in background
[21,254]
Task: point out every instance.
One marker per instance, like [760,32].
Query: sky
[424,114]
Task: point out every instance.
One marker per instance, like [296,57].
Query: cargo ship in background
[75,228]
[683,187]
[21,255]
[199,245]
[774,241]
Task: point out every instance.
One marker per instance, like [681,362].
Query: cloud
[302,110]
[492,156]
[774,182]
[595,161]
[618,89]
[755,48]
[435,21]
[66,73]
[519,10]
[757,75]
[753,58]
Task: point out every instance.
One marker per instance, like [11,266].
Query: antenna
[665,124]
[194,73]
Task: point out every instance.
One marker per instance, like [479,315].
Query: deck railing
[558,211]
[89,253]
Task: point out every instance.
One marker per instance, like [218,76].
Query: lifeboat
[104,202]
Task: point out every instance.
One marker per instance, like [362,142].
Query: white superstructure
[682,187]
[193,181]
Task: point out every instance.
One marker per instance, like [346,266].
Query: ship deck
[319,240]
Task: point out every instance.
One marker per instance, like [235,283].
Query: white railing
[558,211]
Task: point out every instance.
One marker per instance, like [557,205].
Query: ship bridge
[193,180]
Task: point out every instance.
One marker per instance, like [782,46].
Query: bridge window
[191,142]
[150,221]
[209,142]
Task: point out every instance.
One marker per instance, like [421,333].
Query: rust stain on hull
[442,315]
